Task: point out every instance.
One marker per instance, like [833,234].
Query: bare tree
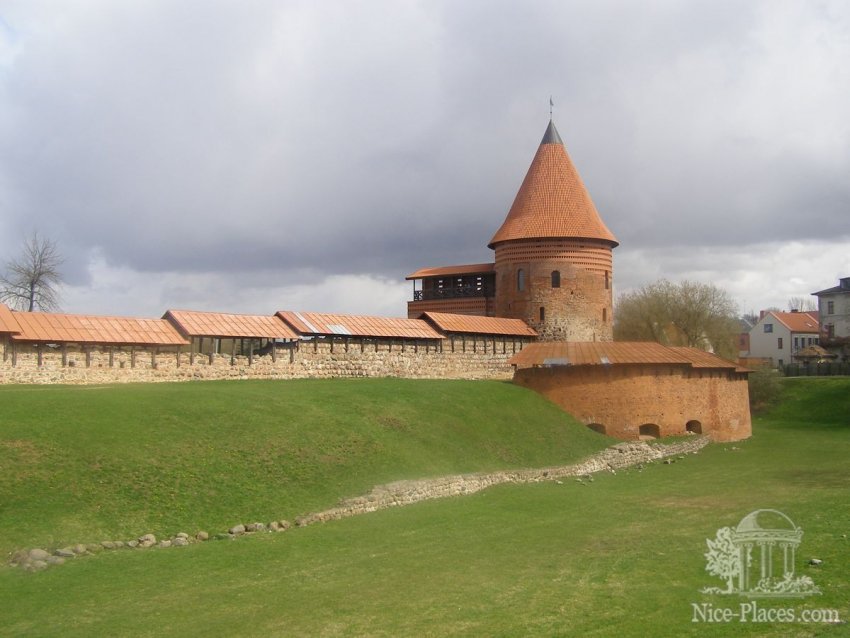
[802,304]
[31,281]
[683,314]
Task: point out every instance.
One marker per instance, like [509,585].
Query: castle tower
[554,253]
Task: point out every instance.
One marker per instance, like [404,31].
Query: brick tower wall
[581,309]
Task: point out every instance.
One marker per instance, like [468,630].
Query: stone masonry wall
[453,358]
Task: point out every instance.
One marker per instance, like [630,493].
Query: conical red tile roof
[552,201]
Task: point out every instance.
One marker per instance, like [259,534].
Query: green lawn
[622,556]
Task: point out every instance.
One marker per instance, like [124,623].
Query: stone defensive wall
[455,357]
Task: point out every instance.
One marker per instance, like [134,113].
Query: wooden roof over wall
[193,323]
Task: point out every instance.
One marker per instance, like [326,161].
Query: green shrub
[765,389]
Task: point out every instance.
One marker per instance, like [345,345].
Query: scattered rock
[132,544]
[165,543]
[255,527]
[668,462]
[108,545]
[182,535]
[236,530]
[37,565]
[202,536]
[94,548]
[300,522]
[65,552]
[147,540]
[79,548]
[54,560]
[180,542]
[119,544]
[815,562]
[284,525]
[38,554]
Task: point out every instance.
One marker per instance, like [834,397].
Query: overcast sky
[262,155]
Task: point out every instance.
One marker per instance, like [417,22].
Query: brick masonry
[618,400]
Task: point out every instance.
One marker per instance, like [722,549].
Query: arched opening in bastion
[597,427]
[694,427]
[649,431]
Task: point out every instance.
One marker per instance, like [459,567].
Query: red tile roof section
[799,321]
[469,324]
[552,202]
[317,324]
[193,323]
[615,352]
[7,320]
[444,271]
[62,328]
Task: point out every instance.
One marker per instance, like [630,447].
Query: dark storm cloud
[377,138]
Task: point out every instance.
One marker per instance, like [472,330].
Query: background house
[778,336]
[834,314]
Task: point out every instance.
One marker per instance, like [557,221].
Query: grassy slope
[622,556]
[82,464]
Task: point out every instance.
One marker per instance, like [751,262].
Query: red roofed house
[779,335]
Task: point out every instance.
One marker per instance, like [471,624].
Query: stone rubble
[617,457]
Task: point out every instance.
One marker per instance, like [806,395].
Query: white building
[834,310]
[779,335]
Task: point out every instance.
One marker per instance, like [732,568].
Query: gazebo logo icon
[756,558]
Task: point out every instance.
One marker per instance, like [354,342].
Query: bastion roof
[552,201]
[598,353]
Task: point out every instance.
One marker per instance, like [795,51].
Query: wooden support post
[463,338]
[178,356]
[40,355]
[14,354]
[88,357]
[111,357]
[210,357]
[192,351]
[250,351]
[416,346]
[274,351]
[132,357]
[332,345]
[292,353]
[200,345]
[347,339]
[362,344]
[153,358]
[315,344]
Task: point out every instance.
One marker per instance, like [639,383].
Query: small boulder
[94,548]
[284,525]
[38,554]
[180,542]
[65,552]
[119,544]
[132,544]
[54,560]
[274,526]
[19,557]
[79,548]
[202,536]
[182,535]
[108,545]
[38,565]
[815,562]
[147,538]
[165,543]
[236,530]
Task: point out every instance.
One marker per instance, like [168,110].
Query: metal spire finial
[551,104]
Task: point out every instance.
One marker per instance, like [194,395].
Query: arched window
[520,280]
[556,279]
[542,313]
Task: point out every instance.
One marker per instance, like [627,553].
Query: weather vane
[551,104]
